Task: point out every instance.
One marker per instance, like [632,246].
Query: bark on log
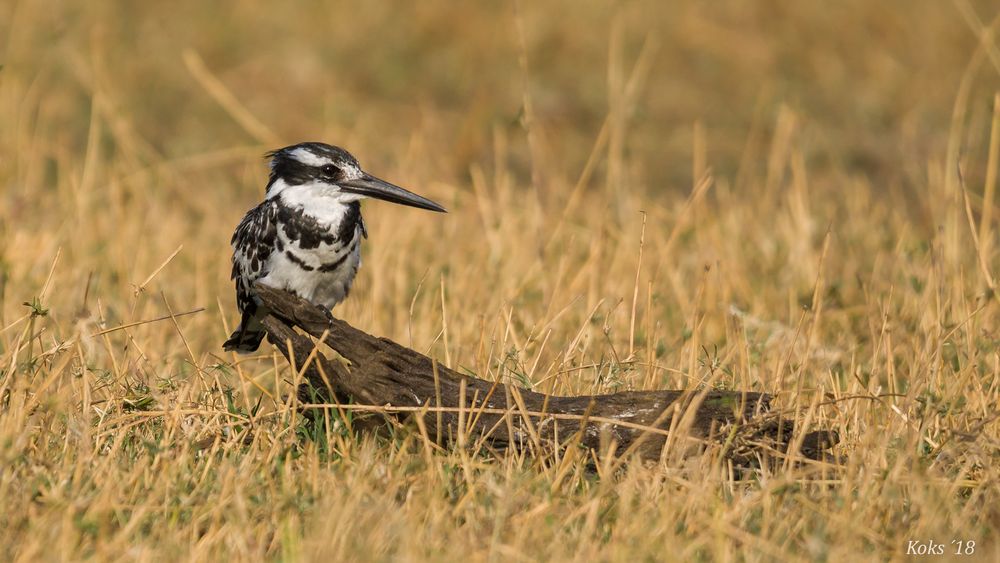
[500,416]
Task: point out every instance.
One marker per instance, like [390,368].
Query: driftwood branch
[469,411]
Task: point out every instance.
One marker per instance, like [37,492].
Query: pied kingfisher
[305,237]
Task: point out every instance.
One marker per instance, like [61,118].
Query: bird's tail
[247,337]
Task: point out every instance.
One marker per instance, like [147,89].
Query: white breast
[322,274]
[323,288]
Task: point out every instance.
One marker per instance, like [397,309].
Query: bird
[305,237]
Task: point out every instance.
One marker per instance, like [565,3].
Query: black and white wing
[253,243]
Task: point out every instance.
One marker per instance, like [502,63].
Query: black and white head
[322,170]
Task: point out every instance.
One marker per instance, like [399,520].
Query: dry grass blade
[147,321]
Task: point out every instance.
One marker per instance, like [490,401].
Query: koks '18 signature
[931,547]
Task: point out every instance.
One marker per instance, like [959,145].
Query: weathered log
[498,415]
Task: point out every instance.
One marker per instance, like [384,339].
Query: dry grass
[806,233]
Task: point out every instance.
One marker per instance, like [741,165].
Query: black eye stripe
[292,171]
[296,172]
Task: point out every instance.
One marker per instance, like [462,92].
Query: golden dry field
[790,197]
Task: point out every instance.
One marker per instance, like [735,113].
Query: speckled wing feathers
[253,242]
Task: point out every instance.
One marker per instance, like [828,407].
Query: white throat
[307,194]
[320,200]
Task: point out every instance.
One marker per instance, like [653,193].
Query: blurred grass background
[807,233]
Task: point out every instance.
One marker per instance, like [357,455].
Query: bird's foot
[329,316]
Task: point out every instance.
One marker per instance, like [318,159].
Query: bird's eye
[330,170]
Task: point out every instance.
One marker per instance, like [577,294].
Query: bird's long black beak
[370,186]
